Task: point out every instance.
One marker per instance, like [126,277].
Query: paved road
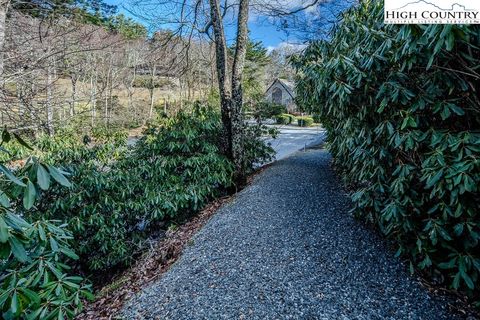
[286,248]
[293,138]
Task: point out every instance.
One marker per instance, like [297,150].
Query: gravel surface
[286,248]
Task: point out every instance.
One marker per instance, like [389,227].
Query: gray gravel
[286,248]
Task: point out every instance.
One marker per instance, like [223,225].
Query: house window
[277,95]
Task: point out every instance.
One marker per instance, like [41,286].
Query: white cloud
[287,47]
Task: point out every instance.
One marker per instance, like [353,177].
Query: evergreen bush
[304,121]
[284,119]
[121,194]
[402,109]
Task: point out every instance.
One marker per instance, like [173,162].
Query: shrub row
[115,199]
[402,110]
[35,257]
[285,118]
[304,121]
[120,195]
[266,110]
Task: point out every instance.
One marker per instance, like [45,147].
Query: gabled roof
[287,85]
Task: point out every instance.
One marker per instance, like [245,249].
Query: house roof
[287,85]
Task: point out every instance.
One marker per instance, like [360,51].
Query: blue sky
[260,28]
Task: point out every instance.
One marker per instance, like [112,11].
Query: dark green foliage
[285,118]
[257,152]
[119,196]
[402,110]
[95,12]
[35,276]
[256,60]
[304,121]
[316,118]
[267,110]
[127,27]
[115,198]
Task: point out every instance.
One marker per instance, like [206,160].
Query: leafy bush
[258,152]
[316,118]
[119,196]
[304,121]
[283,119]
[292,117]
[267,110]
[401,107]
[34,270]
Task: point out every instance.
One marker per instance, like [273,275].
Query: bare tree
[195,18]
[305,20]
[232,98]
[3,16]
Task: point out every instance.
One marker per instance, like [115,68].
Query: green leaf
[53,244]
[22,142]
[41,233]
[29,195]
[434,179]
[43,177]
[31,295]
[456,281]
[16,221]
[69,253]
[458,229]
[87,294]
[17,249]
[15,304]
[4,200]
[4,234]
[11,176]
[457,110]
[60,315]
[448,265]
[450,41]
[4,295]
[5,136]
[467,280]
[58,176]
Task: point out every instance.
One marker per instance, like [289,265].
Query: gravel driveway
[286,248]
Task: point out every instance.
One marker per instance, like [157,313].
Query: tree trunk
[105,107]
[152,88]
[231,103]
[73,79]
[49,102]
[237,93]
[93,96]
[222,71]
[131,108]
[3,18]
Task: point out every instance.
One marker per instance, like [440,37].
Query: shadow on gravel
[287,248]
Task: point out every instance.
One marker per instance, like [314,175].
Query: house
[282,91]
